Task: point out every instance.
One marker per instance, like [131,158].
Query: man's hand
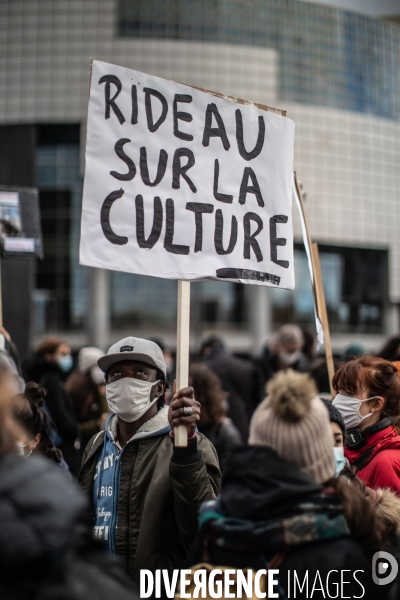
[176,416]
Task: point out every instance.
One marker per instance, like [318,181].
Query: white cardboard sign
[183,184]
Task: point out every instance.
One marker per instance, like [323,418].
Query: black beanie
[334,415]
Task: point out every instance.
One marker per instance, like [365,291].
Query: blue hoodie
[107,474]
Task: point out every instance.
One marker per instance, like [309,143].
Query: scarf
[314,518]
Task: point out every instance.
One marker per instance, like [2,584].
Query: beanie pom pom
[290,395]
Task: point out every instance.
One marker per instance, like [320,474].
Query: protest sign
[20,230]
[184,184]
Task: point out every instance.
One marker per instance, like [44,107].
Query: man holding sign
[145,493]
[182,184]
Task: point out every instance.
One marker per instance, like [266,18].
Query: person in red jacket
[368,397]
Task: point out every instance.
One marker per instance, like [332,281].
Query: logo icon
[126,349]
[384,568]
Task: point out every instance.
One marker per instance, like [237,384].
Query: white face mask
[289,358]
[340,461]
[21,449]
[129,398]
[349,408]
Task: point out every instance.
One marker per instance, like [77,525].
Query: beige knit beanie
[293,421]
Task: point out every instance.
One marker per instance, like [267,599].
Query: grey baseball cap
[132,348]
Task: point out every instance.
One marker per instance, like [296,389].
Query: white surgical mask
[340,461]
[21,451]
[289,358]
[349,408]
[129,398]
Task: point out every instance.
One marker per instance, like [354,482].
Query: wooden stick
[182,352]
[322,312]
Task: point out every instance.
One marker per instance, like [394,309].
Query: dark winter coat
[49,376]
[44,550]
[160,493]
[89,404]
[223,436]
[258,486]
[382,469]
[237,379]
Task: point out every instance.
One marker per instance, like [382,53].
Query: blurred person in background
[281,506]
[283,351]
[319,373]
[170,365]
[368,397]
[213,423]
[391,349]
[237,380]
[34,436]
[51,363]
[338,428]
[86,388]
[309,343]
[44,549]
[10,350]
[354,350]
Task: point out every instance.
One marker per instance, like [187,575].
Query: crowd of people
[276,474]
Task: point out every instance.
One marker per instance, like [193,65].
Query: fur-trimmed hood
[387,505]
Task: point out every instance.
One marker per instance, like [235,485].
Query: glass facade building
[336,73]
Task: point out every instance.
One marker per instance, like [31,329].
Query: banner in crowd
[185,184]
[20,229]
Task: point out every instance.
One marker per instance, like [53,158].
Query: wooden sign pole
[318,288]
[182,352]
[322,312]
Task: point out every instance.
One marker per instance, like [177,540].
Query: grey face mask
[349,408]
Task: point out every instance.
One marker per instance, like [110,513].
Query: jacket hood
[36,367]
[387,506]
[41,509]
[387,439]
[258,484]
[157,425]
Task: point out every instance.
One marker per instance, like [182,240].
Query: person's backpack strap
[362,460]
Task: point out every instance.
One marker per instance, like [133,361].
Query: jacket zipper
[114,522]
[129,508]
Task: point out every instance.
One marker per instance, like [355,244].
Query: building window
[355,285]
[60,294]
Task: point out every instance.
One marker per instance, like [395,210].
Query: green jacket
[160,493]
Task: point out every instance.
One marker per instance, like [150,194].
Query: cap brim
[105,362]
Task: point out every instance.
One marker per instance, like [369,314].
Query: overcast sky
[373,8]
